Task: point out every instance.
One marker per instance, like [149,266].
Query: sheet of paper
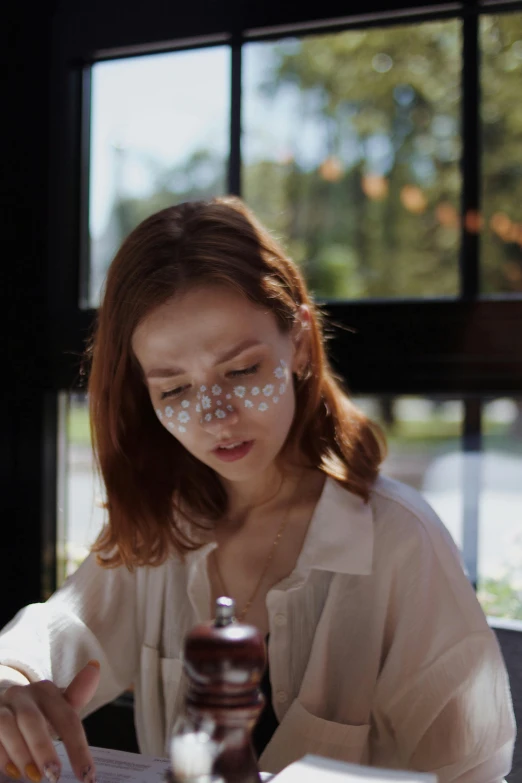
[310,769]
[114,766]
[117,766]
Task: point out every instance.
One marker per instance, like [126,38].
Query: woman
[235,464]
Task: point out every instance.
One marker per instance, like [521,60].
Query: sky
[163,107]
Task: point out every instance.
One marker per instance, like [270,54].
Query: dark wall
[25,50]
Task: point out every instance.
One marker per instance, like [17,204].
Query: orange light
[413,199]
[331,169]
[447,215]
[473,221]
[375,186]
[501,225]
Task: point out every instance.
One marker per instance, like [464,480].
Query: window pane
[80,512]
[424,440]
[424,447]
[500,541]
[501,245]
[159,135]
[351,150]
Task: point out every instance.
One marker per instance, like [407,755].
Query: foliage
[376,211]
[499,598]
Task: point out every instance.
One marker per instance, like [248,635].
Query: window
[351,153]
[159,135]
[346,137]
[501,76]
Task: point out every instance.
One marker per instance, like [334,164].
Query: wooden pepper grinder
[224,661]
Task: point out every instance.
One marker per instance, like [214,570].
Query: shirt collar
[340,534]
[339,537]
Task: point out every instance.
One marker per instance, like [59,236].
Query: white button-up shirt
[379,651]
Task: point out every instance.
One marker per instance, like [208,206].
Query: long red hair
[154,486]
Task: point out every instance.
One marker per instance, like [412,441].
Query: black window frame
[463,347]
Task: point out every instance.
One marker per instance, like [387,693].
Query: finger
[82,688]
[34,729]
[65,721]
[6,765]
[16,756]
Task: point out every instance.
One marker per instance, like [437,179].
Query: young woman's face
[219,374]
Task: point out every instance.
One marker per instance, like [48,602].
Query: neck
[276,486]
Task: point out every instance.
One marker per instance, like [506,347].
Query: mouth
[232,450]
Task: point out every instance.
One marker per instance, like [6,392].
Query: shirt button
[282,697]
[280,619]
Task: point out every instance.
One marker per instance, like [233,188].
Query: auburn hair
[155,489]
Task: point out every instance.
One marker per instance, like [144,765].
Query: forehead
[204,321]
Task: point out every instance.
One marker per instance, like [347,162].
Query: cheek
[176,419]
[264,400]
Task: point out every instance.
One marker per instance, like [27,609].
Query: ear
[301,340]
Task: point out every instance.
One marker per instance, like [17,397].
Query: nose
[216,411]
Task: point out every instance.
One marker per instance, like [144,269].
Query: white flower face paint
[209,408]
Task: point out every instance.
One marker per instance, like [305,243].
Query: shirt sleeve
[443,692]
[455,717]
[93,615]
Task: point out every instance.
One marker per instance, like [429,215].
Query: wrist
[10,676]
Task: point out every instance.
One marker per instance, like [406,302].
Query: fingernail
[52,771]
[13,771]
[33,773]
[88,775]
[94,663]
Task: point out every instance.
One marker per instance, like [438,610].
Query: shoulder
[401,513]
[416,552]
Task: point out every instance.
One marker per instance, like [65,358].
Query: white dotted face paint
[207,404]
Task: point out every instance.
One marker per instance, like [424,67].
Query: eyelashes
[252,370]
[172,392]
[247,371]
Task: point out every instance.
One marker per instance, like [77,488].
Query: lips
[231,450]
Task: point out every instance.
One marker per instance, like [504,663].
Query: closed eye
[247,371]
[173,392]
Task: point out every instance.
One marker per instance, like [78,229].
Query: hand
[31,714]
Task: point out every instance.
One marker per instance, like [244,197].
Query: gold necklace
[240,615]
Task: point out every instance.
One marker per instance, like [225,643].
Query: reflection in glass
[351,147]
[424,440]
[80,514]
[159,135]
[500,509]
[501,242]
[424,447]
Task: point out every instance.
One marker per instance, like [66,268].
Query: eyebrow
[171,372]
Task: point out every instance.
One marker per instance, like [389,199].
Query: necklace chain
[240,615]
